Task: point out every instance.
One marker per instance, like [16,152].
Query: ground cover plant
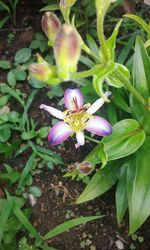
[111,73]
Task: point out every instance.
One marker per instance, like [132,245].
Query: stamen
[76,104]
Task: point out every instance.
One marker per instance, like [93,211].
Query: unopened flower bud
[41,70]
[67,51]
[50,25]
[85,167]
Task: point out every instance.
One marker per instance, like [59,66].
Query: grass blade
[5,212]
[69,224]
[26,223]
[27,169]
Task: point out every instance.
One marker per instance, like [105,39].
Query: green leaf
[126,138]
[121,194]
[20,74]
[29,101]
[4,215]
[21,149]
[126,51]
[69,224]
[11,78]
[115,77]
[39,36]
[46,154]
[98,155]
[3,100]
[111,42]
[140,21]
[36,83]
[4,135]
[12,175]
[39,44]
[103,156]
[43,132]
[5,7]
[139,189]
[35,191]
[98,79]
[35,44]
[86,61]
[50,7]
[141,81]
[28,135]
[25,222]
[93,46]
[141,76]
[22,55]
[5,64]
[13,117]
[3,21]
[8,149]
[112,113]
[13,92]
[120,102]
[102,181]
[27,169]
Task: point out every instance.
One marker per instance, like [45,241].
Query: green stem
[133,91]
[91,139]
[89,52]
[102,39]
[101,11]
[87,73]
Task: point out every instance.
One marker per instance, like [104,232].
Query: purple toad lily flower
[77,118]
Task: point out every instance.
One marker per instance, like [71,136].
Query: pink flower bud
[42,70]
[50,25]
[67,50]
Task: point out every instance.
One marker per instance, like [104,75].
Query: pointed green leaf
[27,169]
[111,41]
[98,79]
[92,45]
[121,194]
[126,138]
[4,215]
[50,7]
[67,225]
[116,76]
[103,180]
[141,80]
[25,222]
[139,188]
[140,21]
[141,76]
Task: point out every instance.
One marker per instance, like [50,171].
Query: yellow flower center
[77,120]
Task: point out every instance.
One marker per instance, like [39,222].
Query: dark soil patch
[102,234]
